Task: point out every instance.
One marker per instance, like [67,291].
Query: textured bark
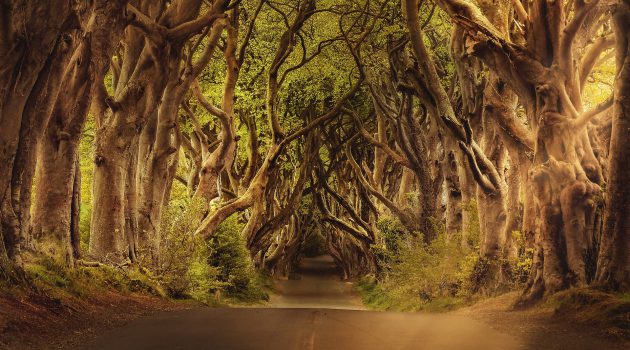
[75,211]
[56,208]
[159,147]
[56,164]
[564,178]
[614,265]
[36,115]
[29,32]
[146,67]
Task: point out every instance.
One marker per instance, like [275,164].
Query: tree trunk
[108,239]
[75,212]
[53,209]
[29,32]
[614,265]
[52,212]
[564,197]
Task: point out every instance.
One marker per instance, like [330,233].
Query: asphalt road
[318,311]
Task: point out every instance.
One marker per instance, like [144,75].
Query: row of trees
[332,116]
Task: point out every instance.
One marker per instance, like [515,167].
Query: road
[317,311]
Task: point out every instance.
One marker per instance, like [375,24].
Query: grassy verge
[377,297]
[607,311]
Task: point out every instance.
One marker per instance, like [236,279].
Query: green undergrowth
[378,296]
[47,276]
[438,276]
[228,254]
[593,307]
[217,270]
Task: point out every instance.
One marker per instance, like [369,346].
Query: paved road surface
[318,287]
[315,312]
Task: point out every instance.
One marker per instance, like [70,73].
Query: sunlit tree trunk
[29,31]
[153,49]
[614,266]
[53,207]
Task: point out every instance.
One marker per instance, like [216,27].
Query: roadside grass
[608,311]
[376,297]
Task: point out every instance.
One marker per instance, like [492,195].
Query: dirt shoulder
[544,327]
[35,320]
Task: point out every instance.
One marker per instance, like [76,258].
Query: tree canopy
[493,131]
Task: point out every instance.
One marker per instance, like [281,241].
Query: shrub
[415,275]
[183,268]
[522,264]
[228,254]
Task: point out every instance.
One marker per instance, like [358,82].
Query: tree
[30,41]
[613,268]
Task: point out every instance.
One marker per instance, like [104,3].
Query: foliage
[437,276]
[206,270]
[417,275]
[522,264]
[183,269]
[473,231]
[229,256]
[49,276]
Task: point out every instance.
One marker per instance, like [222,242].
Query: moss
[46,275]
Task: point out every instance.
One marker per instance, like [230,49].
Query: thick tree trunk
[57,159]
[150,58]
[470,216]
[614,264]
[29,32]
[453,194]
[108,237]
[53,210]
[564,197]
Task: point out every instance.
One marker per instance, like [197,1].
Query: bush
[206,270]
[522,264]
[228,254]
[393,233]
[415,275]
[183,269]
[440,275]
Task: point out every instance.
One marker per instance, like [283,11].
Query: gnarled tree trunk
[614,264]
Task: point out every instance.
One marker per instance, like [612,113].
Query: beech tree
[32,40]
[495,125]
[57,176]
[612,269]
[542,66]
[132,122]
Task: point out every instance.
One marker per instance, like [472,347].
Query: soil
[35,320]
[540,327]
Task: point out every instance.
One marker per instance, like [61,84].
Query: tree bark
[53,208]
[614,261]
[29,32]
